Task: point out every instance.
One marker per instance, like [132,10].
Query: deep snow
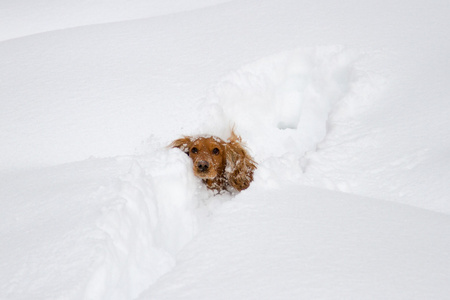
[345,97]
[312,244]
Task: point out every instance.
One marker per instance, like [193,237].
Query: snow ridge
[152,214]
[158,207]
[286,98]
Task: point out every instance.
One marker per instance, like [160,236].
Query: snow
[342,104]
[49,15]
[323,245]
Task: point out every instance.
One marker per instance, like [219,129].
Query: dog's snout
[203,166]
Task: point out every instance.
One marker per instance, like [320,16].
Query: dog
[219,164]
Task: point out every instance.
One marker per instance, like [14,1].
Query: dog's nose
[203,166]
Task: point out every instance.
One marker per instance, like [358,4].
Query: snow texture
[342,104]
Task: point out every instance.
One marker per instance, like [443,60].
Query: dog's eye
[216,151]
[194,150]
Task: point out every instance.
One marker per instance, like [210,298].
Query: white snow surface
[322,245]
[344,106]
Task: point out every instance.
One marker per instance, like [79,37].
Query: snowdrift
[342,98]
[158,207]
[297,242]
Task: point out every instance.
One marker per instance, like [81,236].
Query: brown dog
[218,163]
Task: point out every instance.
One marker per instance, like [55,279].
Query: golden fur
[218,163]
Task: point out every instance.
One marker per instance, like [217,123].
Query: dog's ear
[183,144]
[240,165]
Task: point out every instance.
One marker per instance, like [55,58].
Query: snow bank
[156,209]
[47,226]
[153,212]
[100,90]
[297,242]
[285,99]
[284,105]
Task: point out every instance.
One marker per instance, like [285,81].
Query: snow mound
[285,105]
[299,242]
[157,208]
[282,106]
[285,99]
[153,212]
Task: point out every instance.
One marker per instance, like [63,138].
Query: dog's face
[220,164]
[208,157]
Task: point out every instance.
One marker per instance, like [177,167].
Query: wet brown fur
[218,163]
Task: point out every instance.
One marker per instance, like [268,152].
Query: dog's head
[207,154]
[217,162]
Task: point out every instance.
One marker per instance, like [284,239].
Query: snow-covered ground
[343,104]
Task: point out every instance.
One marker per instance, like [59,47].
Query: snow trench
[285,99]
[281,106]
